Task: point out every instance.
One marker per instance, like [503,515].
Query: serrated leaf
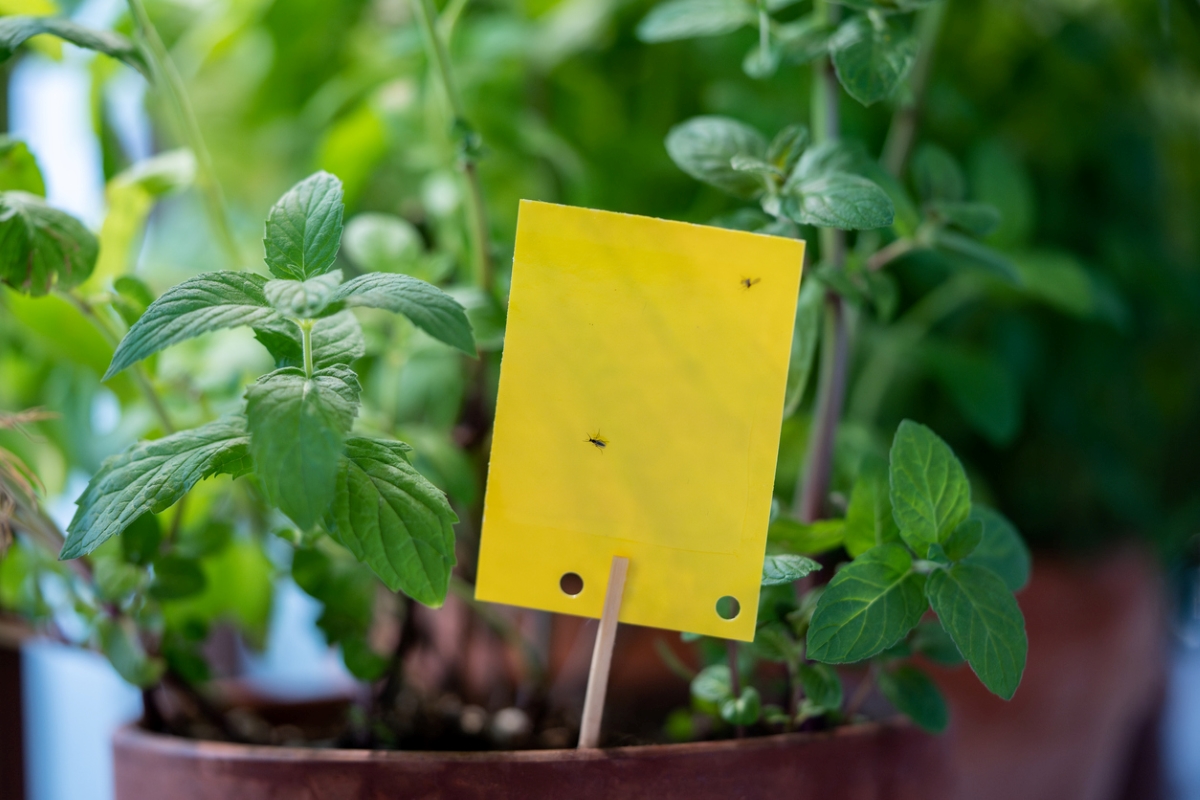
[19,171]
[1001,548]
[41,247]
[871,59]
[394,520]
[209,302]
[743,710]
[840,200]
[381,242]
[983,619]
[688,19]
[806,333]
[812,539]
[963,541]
[704,148]
[869,520]
[937,175]
[297,425]
[822,686]
[929,489]
[425,305]
[303,299]
[786,568]
[916,696]
[16,30]
[977,219]
[712,684]
[870,604]
[151,477]
[336,339]
[304,229]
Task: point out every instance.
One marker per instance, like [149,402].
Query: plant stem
[903,130]
[813,485]
[476,208]
[306,327]
[735,681]
[170,82]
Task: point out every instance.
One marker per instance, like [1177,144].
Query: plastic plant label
[640,403]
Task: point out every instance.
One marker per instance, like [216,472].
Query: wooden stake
[597,687]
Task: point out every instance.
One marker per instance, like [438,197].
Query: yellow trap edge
[639,409]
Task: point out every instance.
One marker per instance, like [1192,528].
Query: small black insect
[598,441]
[748,282]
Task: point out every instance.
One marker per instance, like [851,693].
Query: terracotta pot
[867,762]
[1077,728]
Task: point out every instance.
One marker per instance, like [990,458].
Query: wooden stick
[597,688]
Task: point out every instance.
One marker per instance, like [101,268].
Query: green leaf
[806,333]
[425,305]
[774,642]
[786,568]
[19,171]
[151,477]
[871,59]
[870,604]
[688,19]
[304,229]
[42,248]
[381,242]
[1001,548]
[787,147]
[336,339]
[712,684]
[825,158]
[239,581]
[303,299]
[704,148]
[869,520]
[963,541]
[822,686]
[937,175]
[132,299]
[819,537]
[761,62]
[176,577]
[141,540]
[162,174]
[803,40]
[394,520]
[974,254]
[205,303]
[977,219]
[1058,279]
[743,710]
[983,619]
[985,391]
[931,640]
[929,489]
[121,644]
[839,200]
[916,696]
[15,30]
[297,425]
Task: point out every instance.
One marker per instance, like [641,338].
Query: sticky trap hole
[571,584]
[728,607]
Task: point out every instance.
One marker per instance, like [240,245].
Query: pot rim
[135,737]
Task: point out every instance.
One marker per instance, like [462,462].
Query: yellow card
[641,397]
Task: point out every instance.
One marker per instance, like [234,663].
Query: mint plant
[915,540]
[294,434]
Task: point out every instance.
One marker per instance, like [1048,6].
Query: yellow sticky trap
[641,395]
